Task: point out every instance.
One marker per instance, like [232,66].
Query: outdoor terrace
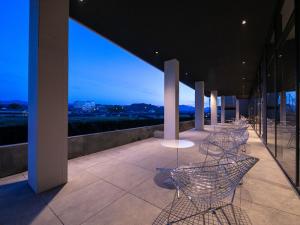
[119,186]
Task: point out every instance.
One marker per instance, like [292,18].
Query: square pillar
[171,99]
[199,105]
[48,94]
[222,109]
[283,107]
[213,108]
[237,109]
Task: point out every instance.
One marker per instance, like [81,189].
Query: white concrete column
[222,109]
[213,107]
[171,99]
[48,94]
[237,109]
[199,105]
[283,107]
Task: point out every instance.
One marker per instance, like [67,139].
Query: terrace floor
[119,186]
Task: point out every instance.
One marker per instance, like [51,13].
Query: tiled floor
[118,186]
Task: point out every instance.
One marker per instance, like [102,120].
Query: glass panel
[257,111]
[219,109]
[271,107]
[286,120]
[230,108]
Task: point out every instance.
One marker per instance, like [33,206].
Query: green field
[13,129]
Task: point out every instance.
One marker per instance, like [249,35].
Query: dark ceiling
[207,38]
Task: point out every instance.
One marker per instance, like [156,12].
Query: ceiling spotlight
[244,22]
[244,78]
[186,73]
[156,52]
[280,56]
[243,62]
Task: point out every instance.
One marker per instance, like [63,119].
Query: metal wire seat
[183,208]
[208,184]
[219,145]
[230,140]
[212,181]
[240,136]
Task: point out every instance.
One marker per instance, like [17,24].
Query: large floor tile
[127,210]
[270,195]
[104,169]
[128,176]
[82,180]
[80,205]
[262,215]
[274,173]
[153,193]
[154,161]
[87,161]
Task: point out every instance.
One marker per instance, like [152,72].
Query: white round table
[178,144]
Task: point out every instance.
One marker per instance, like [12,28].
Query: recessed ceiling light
[244,22]
[156,52]
[244,78]
[186,73]
[243,62]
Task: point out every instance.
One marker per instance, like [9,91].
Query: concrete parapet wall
[13,158]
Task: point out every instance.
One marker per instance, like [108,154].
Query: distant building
[86,106]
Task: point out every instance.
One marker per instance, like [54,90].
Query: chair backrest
[212,181]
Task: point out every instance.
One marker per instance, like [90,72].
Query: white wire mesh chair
[219,145]
[210,186]
[182,208]
[240,136]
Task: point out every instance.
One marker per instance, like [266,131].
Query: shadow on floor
[20,205]
[184,212]
[163,178]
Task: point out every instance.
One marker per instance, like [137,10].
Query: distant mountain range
[186,108]
[13,102]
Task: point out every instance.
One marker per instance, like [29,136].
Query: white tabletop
[177,143]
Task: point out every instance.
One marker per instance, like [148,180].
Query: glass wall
[229,108]
[254,110]
[271,106]
[279,61]
[286,101]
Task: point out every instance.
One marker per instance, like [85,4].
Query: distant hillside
[13,102]
[186,109]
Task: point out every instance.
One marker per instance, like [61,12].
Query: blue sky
[99,70]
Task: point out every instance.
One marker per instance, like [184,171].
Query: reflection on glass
[286,120]
[271,107]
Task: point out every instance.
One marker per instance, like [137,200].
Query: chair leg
[225,216]
[174,199]
[215,214]
[233,213]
